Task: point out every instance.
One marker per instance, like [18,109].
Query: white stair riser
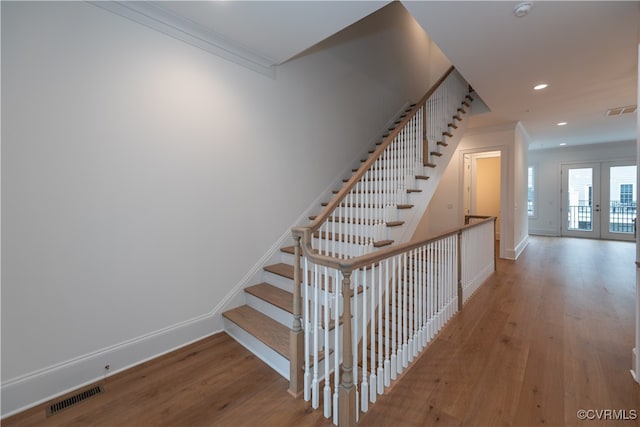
[278,281]
[269,356]
[281,316]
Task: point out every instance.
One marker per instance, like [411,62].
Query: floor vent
[72,400]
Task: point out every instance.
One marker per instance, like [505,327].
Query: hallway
[546,336]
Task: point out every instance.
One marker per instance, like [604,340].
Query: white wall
[445,210]
[142,177]
[547,180]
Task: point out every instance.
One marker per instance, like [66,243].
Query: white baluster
[405,309]
[410,310]
[372,329]
[387,363]
[394,319]
[314,383]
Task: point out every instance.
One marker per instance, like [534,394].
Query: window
[531,192]
[626,194]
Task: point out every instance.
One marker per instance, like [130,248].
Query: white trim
[520,247]
[543,232]
[183,29]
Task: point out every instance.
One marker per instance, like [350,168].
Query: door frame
[505,201]
[601,200]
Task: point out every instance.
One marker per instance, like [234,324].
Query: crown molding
[183,29]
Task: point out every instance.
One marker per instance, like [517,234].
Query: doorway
[482,184]
[599,200]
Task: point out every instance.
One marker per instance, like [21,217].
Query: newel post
[347,392]
[460,271]
[296,335]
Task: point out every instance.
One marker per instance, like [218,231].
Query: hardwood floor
[547,335]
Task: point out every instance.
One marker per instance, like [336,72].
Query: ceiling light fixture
[563,143]
[522,9]
[562,124]
[540,86]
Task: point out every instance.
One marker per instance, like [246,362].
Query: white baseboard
[520,247]
[543,232]
[38,387]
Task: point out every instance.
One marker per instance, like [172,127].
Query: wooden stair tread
[350,221]
[449,134]
[430,165]
[288,250]
[382,243]
[422,177]
[436,153]
[345,237]
[264,328]
[409,190]
[442,143]
[273,295]
[452,125]
[281,269]
[358,205]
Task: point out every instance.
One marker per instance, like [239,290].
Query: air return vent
[72,400]
[618,111]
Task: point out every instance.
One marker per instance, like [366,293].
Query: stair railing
[396,299]
[334,258]
[355,221]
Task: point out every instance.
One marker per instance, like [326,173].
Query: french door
[599,200]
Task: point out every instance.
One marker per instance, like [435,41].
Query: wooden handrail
[350,264]
[468,218]
[339,197]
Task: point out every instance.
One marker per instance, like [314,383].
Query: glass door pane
[581,200]
[580,193]
[618,219]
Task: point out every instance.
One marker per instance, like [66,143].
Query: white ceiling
[585,50]
[273,30]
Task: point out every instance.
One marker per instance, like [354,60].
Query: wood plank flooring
[547,335]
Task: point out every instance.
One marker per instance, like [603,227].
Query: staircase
[377,209]
[263,324]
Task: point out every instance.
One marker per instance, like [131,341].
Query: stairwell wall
[143,177]
[445,211]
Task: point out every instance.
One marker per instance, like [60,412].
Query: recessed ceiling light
[522,9]
[562,124]
[563,143]
[540,86]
